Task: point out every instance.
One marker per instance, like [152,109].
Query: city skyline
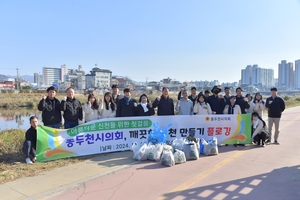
[149,40]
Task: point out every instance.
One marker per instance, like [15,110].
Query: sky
[149,40]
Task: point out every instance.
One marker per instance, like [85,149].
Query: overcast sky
[184,40]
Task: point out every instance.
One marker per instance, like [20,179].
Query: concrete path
[247,172]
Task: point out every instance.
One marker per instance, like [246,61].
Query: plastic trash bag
[167,157]
[154,151]
[158,135]
[140,153]
[191,150]
[211,147]
[178,144]
[179,157]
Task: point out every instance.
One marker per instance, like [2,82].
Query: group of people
[115,105]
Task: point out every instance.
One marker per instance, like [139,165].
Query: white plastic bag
[211,147]
[179,157]
[140,153]
[167,157]
[178,144]
[191,150]
[154,151]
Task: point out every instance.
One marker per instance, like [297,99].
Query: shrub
[286,98]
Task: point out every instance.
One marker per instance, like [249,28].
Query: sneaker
[276,142]
[28,161]
[263,144]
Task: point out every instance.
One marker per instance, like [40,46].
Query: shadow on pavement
[264,186]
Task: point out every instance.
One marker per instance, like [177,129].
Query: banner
[118,134]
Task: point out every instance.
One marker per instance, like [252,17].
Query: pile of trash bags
[180,150]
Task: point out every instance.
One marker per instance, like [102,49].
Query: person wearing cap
[275,107]
[259,104]
[126,106]
[241,101]
[227,95]
[50,107]
[115,94]
[232,108]
[193,95]
[216,102]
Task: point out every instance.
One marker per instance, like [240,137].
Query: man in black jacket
[126,106]
[275,107]
[241,101]
[29,146]
[193,95]
[72,109]
[115,94]
[216,102]
[164,103]
[50,107]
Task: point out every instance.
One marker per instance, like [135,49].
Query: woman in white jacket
[91,109]
[259,104]
[259,135]
[201,107]
[107,108]
[232,108]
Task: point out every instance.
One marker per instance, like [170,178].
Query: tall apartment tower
[297,74]
[286,75]
[64,72]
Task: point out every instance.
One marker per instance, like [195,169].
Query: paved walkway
[248,172]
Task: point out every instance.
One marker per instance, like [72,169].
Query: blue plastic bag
[158,135]
[202,144]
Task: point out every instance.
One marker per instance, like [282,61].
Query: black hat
[232,97]
[216,87]
[273,89]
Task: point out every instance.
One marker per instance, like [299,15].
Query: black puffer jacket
[51,113]
[72,109]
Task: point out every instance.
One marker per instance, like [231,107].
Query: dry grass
[12,159]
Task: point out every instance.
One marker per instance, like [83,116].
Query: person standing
[201,107]
[50,107]
[227,95]
[115,94]
[216,102]
[251,104]
[164,103]
[72,109]
[29,145]
[241,101]
[232,108]
[259,104]
[126,106]
[144,108]
[107,107]
[184,105]
[193,96]
[275,107]
[91,109]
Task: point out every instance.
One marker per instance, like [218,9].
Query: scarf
[144,106]
[127,100]
[231,109]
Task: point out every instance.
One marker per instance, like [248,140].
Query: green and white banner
[118,134]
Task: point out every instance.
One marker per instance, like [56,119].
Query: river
[17,118]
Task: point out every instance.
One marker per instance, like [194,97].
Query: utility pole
[17,82]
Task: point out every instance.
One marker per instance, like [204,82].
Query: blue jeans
[28,150]
[70,124]
[54,125]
